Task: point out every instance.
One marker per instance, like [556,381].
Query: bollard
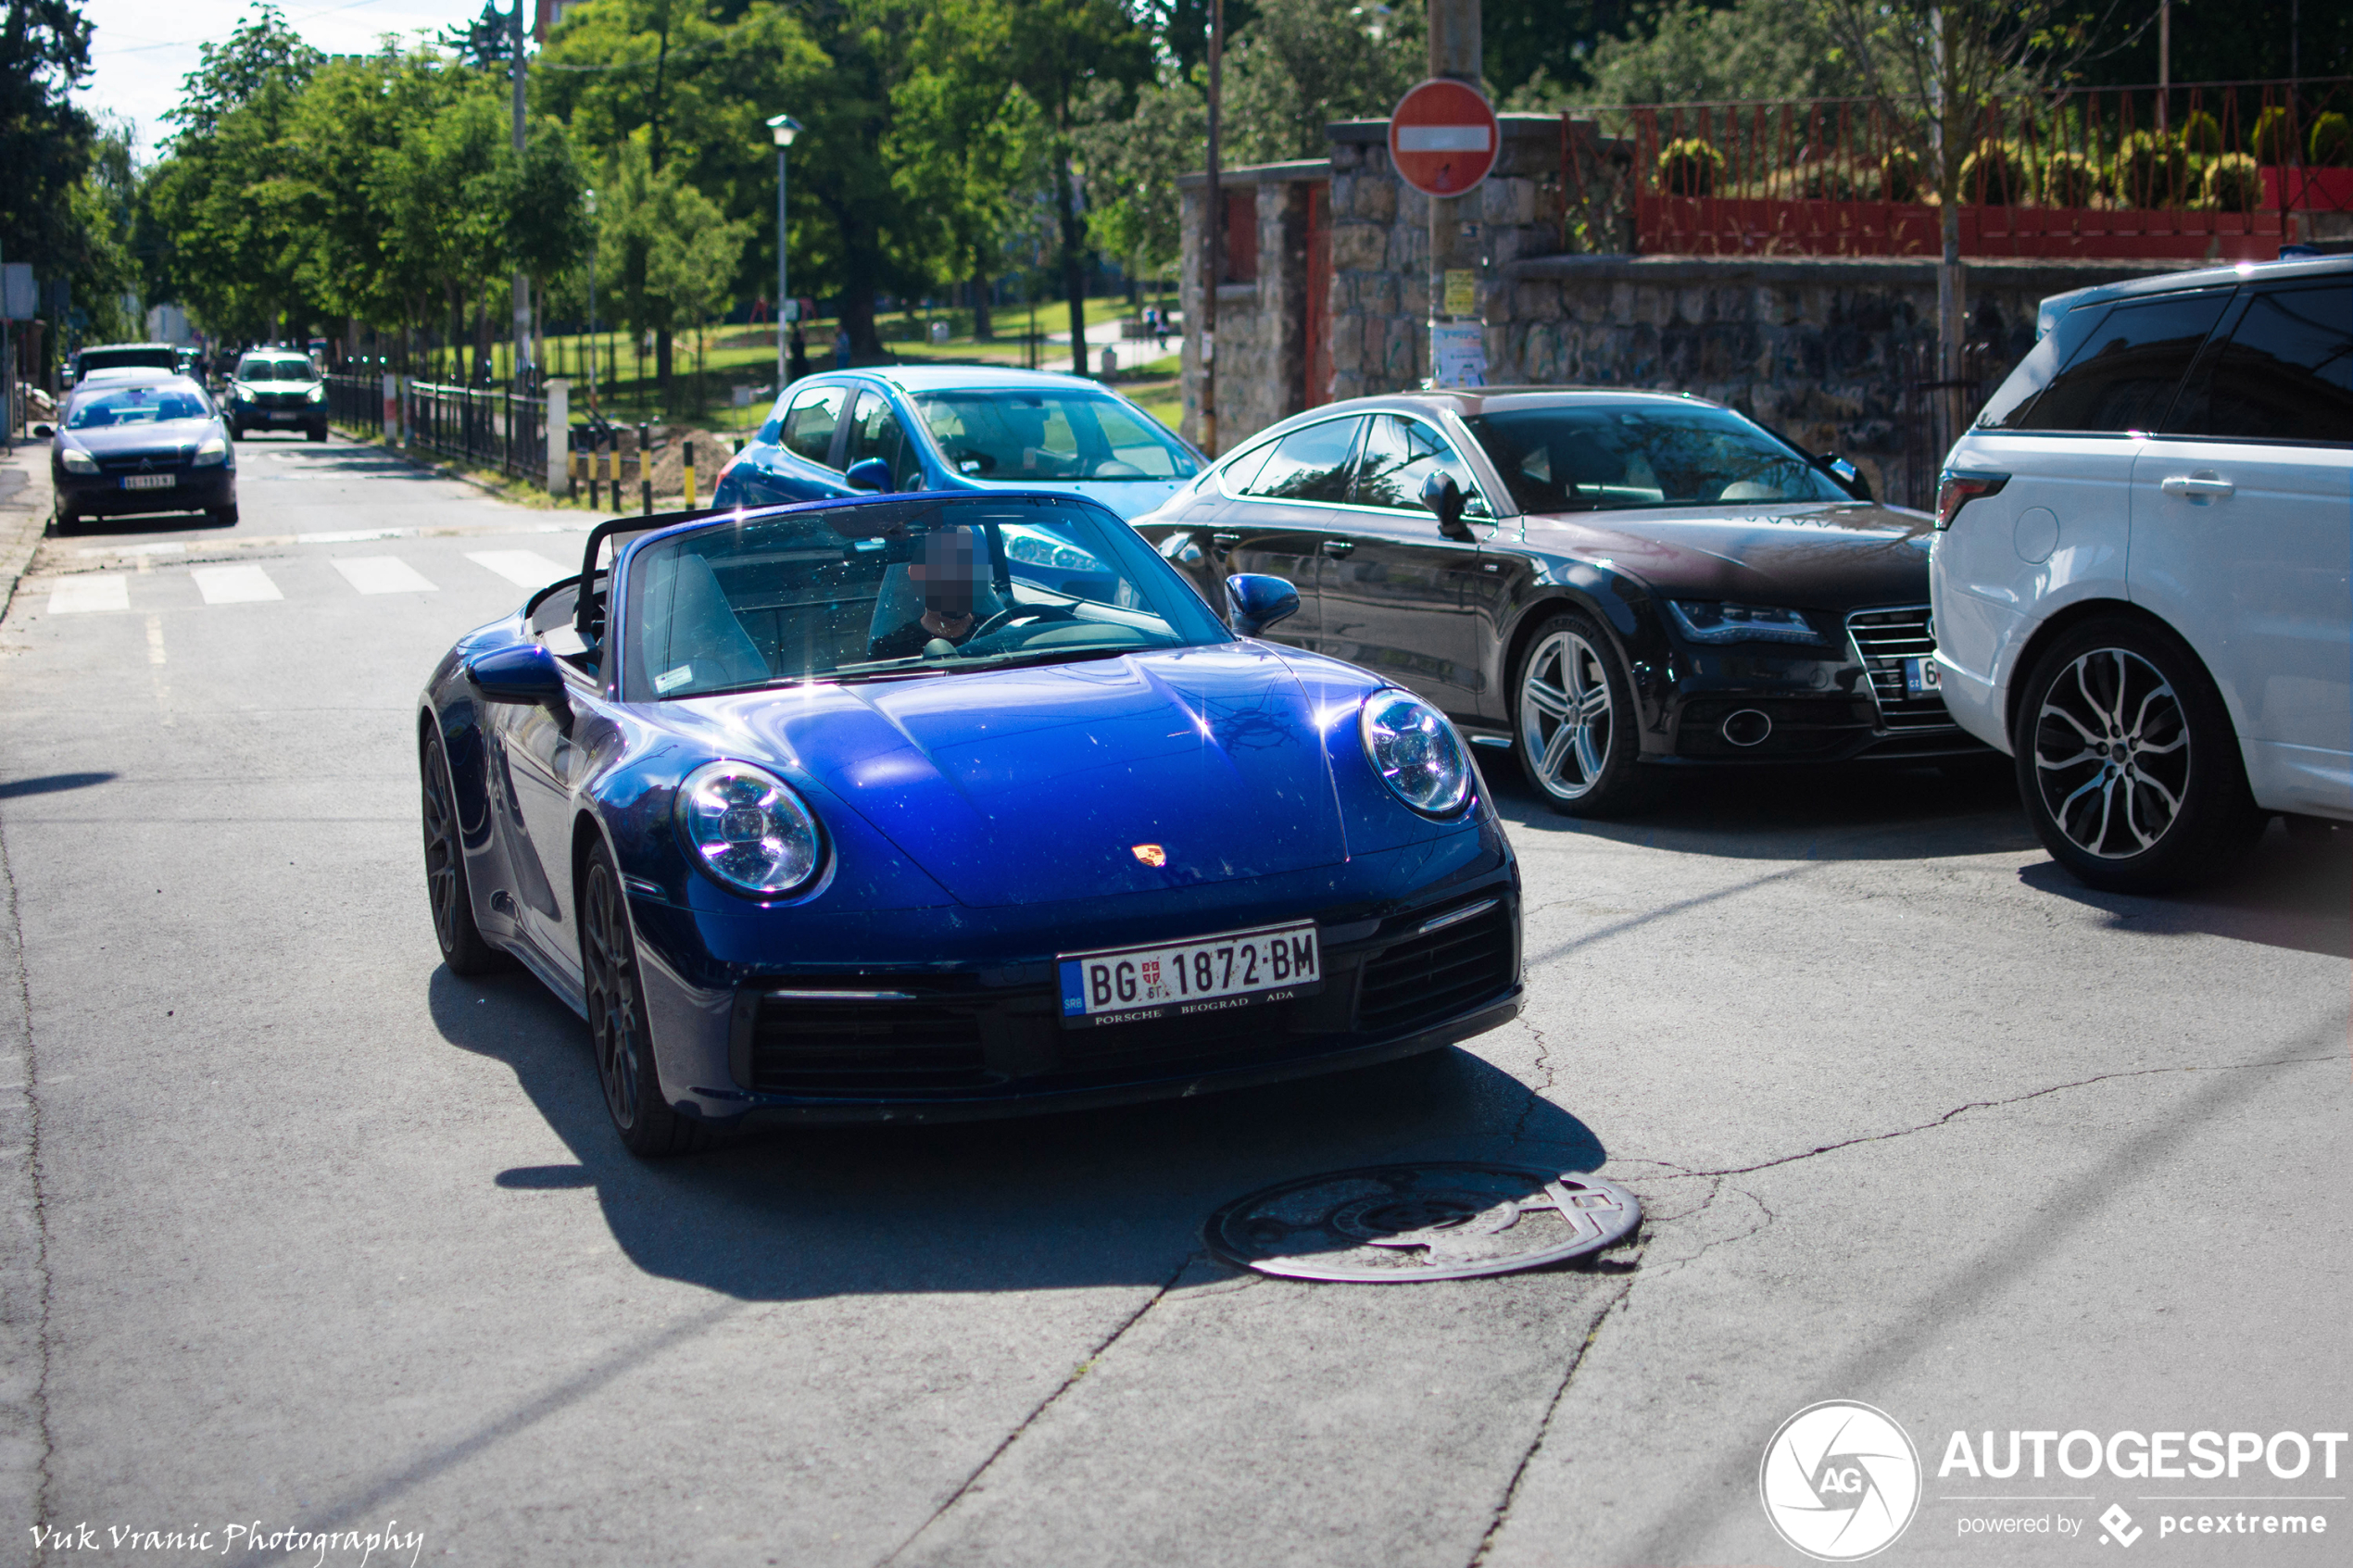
[686,466]
[646,466]
[612,468]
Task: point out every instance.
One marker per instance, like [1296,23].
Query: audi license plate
[1201,975]
[1921,678]
[149,480]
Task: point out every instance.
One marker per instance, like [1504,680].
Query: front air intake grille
[864,1047]
[1883,640]
[167,461]
[1428,977]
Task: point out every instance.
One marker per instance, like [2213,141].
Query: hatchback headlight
[240,392]
[317,395]
[76,460]
[1712,623]
[748,829]
[212,453]
[1415,750]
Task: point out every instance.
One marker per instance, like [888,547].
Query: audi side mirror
[871,473]
[526,677]
[1443,497]
[1850,477]
[1257,602]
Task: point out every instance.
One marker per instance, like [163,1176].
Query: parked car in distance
[120,355]
[1598,580]
[277,389]
[856,811]
[145,440]
[957,427]
[2140,573]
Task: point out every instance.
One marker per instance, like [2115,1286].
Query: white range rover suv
[2140,574]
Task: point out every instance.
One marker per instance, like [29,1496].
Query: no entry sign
[1442,138]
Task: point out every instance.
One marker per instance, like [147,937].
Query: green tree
[666,254]
[46,139]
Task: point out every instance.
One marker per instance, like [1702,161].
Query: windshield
[1021,435]
[118,358]
[276,370]
[137,405]
[920,588]
[1603,457]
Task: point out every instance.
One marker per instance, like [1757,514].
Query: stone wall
[1262,340]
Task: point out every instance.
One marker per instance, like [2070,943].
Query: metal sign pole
[1456,242]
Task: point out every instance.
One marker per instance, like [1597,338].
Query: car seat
[689,625]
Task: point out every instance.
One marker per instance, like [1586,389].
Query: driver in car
[945,577]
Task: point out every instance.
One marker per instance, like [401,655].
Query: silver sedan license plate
[1200,974]
[149,480]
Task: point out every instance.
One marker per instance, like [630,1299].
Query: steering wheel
[1016,616]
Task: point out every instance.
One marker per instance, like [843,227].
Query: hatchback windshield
[276,370]
[1603,456]
[136,406]
[1021,435]
[897,590]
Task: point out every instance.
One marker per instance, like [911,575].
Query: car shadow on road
[1855,813]
[1076,1199]
[2287,892]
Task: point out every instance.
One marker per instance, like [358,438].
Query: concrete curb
[24,516]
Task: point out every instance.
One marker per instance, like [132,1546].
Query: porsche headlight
[76,460]
[1415,750]
[1707,622]
[212,453]
[747,828]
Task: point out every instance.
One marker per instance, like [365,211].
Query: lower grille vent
[1427,977]
[803,1048]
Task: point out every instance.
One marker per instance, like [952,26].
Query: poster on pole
[1457,354]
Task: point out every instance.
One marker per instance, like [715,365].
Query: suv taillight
[1957,488]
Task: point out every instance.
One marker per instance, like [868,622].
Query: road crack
[1537,1093]
[1545,1427]
[1086,1364]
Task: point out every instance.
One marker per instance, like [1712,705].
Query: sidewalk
[24,512]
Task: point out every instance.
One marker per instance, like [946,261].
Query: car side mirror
[526,677]
[1258,602]
[1442,495]
[43,432]
[1850,477]
[871,473]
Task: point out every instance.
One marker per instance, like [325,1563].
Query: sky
[143,48]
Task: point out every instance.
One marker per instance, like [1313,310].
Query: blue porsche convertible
[949,805]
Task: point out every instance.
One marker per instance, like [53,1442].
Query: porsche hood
[1040,784]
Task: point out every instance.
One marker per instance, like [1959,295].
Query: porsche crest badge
[1151,854]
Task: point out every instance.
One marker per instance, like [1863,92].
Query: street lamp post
[784,127]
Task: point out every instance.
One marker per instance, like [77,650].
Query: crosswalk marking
[233,584]
[526,569]
[383,574]
[351,536]
[83,595]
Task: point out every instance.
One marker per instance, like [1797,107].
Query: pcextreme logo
[1840,1481]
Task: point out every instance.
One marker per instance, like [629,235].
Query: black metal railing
[356,402]
[481,427]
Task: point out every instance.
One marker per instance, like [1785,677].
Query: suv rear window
[2286,373]
[2124,376]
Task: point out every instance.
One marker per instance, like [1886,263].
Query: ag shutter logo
[1840,1481]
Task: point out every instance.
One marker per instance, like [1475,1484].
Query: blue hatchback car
[949,805]
[957,427]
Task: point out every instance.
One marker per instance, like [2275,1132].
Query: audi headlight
[1415,750]
[212,453]
[747,828]
[76,460]
[1712,623]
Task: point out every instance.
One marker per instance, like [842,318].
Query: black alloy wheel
[462,947]
[2127,761]
[1573,719]
[617,1025]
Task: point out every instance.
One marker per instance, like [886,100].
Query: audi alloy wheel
[1573,728]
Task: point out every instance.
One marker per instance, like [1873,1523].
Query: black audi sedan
[1596,580]
[142,441]
[277,389]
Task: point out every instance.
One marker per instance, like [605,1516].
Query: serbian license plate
[285,416]
[1921,678]
[1201,975]
[149,480]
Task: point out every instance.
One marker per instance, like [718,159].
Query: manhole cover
[1446,1220]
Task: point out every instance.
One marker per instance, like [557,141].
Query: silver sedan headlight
[1416,752]
[749,830]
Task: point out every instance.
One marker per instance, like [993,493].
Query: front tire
[2127,762]
[462,946]
[617,1025]
[1573,726]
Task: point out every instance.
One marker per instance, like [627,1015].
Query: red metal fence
[2214,172]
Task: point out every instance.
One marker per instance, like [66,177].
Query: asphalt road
[305,1233]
